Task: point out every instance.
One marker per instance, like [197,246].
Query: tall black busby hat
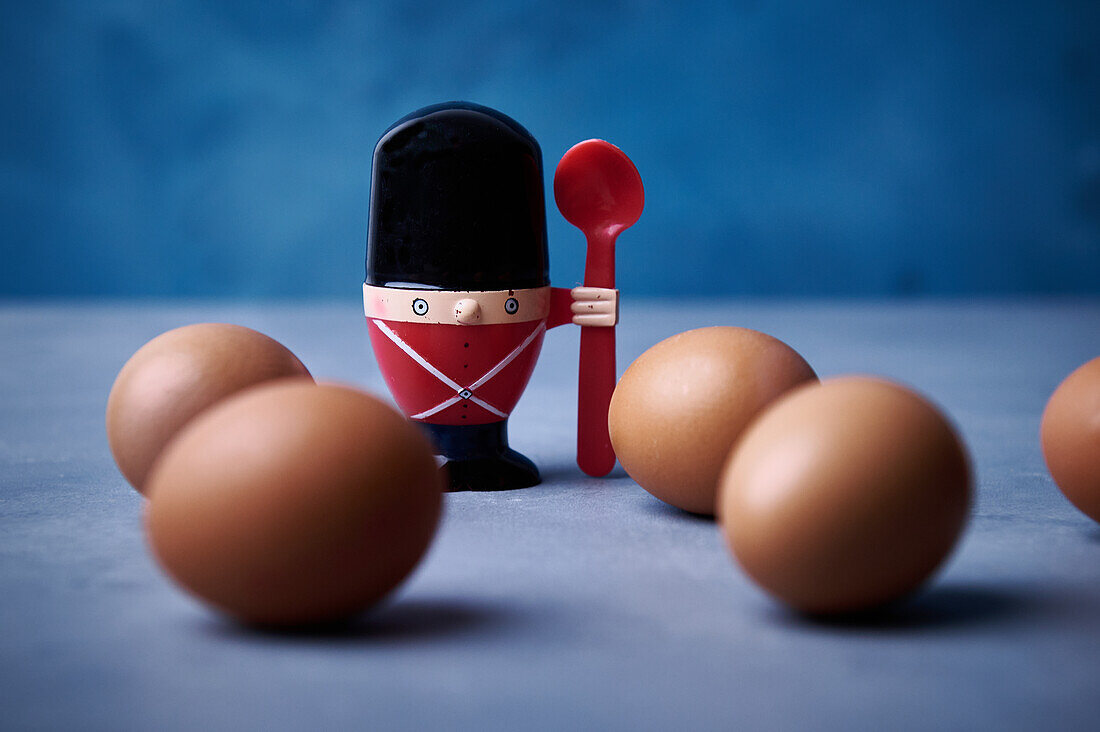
[457,203]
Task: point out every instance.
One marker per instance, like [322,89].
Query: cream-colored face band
[456,307]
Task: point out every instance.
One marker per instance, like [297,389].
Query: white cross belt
[461,392]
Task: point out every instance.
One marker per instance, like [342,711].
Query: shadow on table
[400,621]
[569,473]
[658,507]
[947,606]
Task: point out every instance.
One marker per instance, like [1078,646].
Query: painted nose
[468,311]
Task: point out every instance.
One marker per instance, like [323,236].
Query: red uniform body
[464,354]
[461,374]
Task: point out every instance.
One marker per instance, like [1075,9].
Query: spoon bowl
[598,189]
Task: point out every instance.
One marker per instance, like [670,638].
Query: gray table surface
[579,604]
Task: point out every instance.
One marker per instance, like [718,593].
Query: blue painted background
[788,148]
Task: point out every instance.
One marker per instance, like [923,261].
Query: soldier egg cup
[457,294]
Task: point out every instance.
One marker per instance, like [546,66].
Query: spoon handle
[595,455]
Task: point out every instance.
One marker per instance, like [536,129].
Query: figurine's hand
[597,306]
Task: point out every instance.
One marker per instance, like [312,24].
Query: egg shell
[177,375]
[292,503]
[682,404]
[1070,437]
[845,495]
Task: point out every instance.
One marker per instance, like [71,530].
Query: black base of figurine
[478,457]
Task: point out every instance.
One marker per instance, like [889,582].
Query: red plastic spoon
[599,191]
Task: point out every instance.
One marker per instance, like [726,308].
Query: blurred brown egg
[1070,436]
[682,404]
[177,375]
[294,503]
[845,495]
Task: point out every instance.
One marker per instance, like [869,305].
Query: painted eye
[420,306]
[511,306]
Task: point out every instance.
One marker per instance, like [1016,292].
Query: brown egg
[845,495]
[1070,435]
[293,503]
[679,407]
[177,375]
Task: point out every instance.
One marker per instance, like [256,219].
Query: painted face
[456,357]
[456,307]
